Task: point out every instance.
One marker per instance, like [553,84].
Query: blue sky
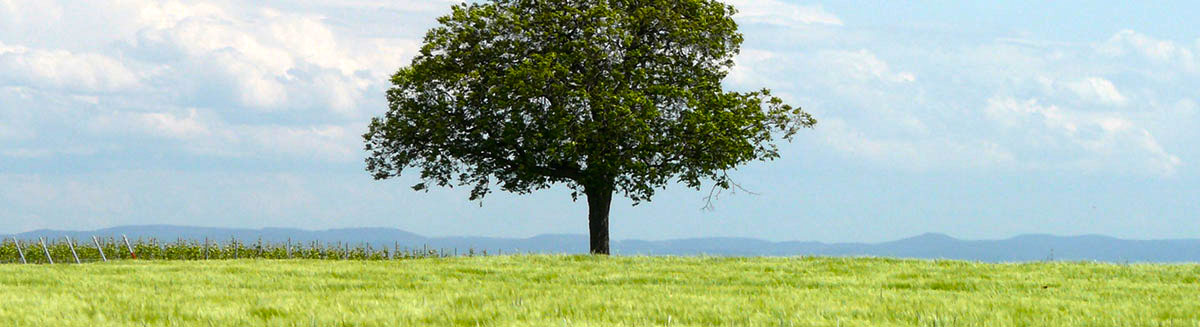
[979,120]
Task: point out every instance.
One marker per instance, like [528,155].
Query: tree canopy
[604,96]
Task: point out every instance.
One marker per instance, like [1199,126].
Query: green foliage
[598,291]
[601,95]
[153,249]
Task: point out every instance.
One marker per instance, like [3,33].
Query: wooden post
[19,250]
[289,248]
[73,253]
[47,250]
[129,247]
[206,248]
[98,247]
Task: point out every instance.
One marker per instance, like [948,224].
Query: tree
[604,96]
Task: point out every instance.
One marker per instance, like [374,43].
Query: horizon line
[917,236]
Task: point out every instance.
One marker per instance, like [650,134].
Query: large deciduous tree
[604,96]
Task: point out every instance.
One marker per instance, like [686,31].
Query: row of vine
[60,251]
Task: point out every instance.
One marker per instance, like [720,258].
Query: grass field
[590,291]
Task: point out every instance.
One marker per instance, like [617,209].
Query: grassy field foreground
[587,291]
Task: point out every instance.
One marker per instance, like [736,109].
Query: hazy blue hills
[929,246]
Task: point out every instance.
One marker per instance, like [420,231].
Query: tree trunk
[599,201]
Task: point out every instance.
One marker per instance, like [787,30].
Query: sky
[980,120]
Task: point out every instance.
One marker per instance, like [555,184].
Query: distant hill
[926,246]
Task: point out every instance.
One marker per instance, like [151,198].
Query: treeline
[110,249]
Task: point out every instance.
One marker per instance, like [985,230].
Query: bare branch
[714,193]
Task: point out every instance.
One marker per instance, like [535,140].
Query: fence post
[98,247]
[73,253]
[289,248]
[129,247]
[19,250]
[44,249]
[206,248]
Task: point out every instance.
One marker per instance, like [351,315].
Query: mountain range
[1035,247]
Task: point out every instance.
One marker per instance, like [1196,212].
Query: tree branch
[715,192]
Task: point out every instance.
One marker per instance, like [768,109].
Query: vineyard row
[41,251]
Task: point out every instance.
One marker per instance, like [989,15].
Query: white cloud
[1012,112]
[863,65]
[1095,141]
[325,143]
[199,133]
[750,67]
[19,12]
[1184,108]
[423,6]
[1097,90]
[775,12]
[262,58]
[255,85]
[342,93]
[919,154]
[309,40]
[166,14]
[208,41]
[1161,51]
[174,126]
[60,69]
[149,123]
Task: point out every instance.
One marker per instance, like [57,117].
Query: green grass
[591,291]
